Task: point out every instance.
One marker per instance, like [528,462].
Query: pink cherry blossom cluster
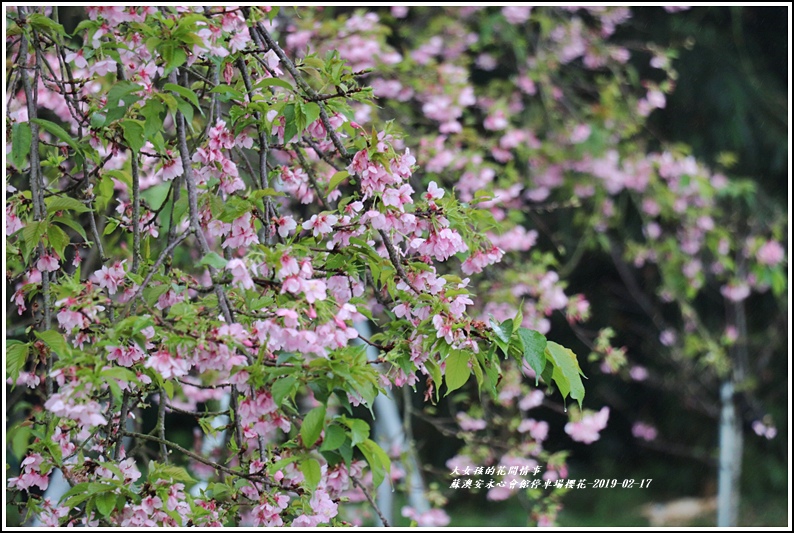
[31,475]
[588,427]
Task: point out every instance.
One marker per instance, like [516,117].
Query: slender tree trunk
[730,460]
[389,432]
[731,436]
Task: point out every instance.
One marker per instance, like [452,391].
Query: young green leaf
[311,472]
[566,371]
[16,356]
[312,426]
[457,370]
[20,143]
[533,344]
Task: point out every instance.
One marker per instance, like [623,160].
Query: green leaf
[214,260]
[98,120]
[312,426]
[337,178]
[377,459]
[334,437]
[58,239]
[435,373]
[311,112]
[261,193]
[290,122]
[228,93]
[133,134]
[20,143]
[120,373]
[503,332]
[152,293]
[281,463]
[359,430]
[273,82]
[58,131]
[234,209]
[282,388]
[110,227]
[105,190]
[519,318]
[54,340]
[71,224]
[157,195]
[457,370]
[32,234]
[19,437]
[122,91]
[186,109]
[311,472]
[173,55]
[16,356]
[153,111]
[65,203]
[533,344]
[184,92]
[566,371]
[170,473]
[105,503]
[45,24]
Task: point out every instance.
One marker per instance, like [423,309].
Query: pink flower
[314,289]
[495,122]
[644,431]
[320,224]
[586,430]
[533,399]
[68,320]
[458,306]
[770,253]
[285,225]
[13,222]
[125,356]
[111,278]
[172,167]
[638,373]
[47,263]
[537,430]
[78,58]
[168,365]
[516,14]
[764,430]
[434,192]
[242,233]
[441,245]
[580,133]
[735,292]
[322,504]
[430,518]
[169,298]
[241,276]
[468,423]
[239,40]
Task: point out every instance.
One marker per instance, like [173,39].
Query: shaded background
[730,103]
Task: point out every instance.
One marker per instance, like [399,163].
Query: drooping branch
[36,178]
[303,84]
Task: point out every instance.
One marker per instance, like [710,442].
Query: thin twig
[395,260]
[165,253]
[374,505]
[161,425]
[312,178]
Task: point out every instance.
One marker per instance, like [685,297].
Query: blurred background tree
[730,105]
